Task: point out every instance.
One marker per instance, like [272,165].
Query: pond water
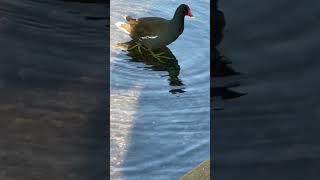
[266,98]
[160,114]
[53,89]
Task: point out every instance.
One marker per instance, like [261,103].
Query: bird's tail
[124,27]
[128,18]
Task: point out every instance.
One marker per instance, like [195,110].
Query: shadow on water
[270,133]
[221,70]
[53,92]
[167,62]
[88,1]
[221,66]
[100,18]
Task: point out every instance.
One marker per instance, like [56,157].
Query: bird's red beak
[189,12]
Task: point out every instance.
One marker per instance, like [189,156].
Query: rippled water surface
[267,91]
[160,112]
[53,89]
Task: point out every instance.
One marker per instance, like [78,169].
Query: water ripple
[157,132]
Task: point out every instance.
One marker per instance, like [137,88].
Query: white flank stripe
[149,37]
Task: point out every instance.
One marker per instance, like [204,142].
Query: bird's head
[186,11]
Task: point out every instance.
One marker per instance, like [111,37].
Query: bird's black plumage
[156,32]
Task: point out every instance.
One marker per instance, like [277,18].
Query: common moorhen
[155,32]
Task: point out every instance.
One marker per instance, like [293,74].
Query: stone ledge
[201,172]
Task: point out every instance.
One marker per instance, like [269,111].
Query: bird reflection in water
[165,62]
[221,66]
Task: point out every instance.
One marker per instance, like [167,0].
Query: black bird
[155,32]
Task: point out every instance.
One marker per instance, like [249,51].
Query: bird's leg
[158,56]
[137,45]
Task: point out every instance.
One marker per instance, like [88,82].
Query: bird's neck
[178,20]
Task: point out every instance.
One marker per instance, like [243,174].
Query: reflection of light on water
[178,120]
[123,108]
[119,8]
[123,103]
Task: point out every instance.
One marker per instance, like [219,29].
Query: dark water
[53,89]
[159,110]
[266,123]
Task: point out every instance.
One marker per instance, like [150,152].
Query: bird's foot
[137,45]
[159,56]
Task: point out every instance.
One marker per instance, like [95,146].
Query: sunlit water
[271,132]
[160,130]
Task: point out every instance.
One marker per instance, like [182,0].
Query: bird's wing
[146,19]
[150,28]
